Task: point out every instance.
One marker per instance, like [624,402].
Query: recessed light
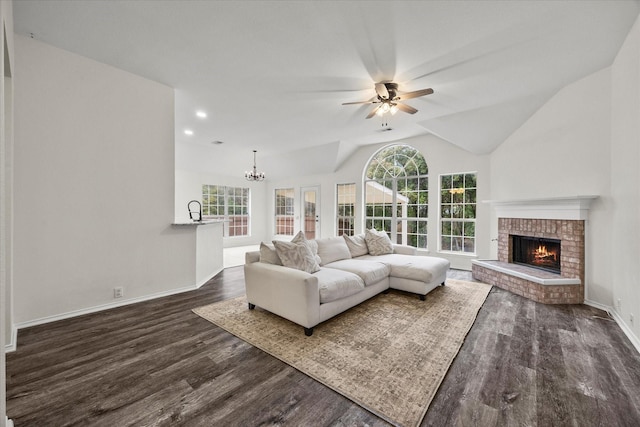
[201,114]
[188,132]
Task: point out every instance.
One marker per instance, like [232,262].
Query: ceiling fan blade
[372,113]
[407,108]
[381,90]
[360,102]
[414,94]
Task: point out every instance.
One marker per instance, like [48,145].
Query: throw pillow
[357,245]
[268,254]
[313,245]
[298,237]
[378,242]
[332,249]
[296,255]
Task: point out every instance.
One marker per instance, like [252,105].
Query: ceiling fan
[390,101]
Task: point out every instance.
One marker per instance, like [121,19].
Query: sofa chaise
[310,281]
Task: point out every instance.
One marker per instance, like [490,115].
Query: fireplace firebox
[537,252]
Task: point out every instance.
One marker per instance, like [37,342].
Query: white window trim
[226,224]
[475,246]
[275,215]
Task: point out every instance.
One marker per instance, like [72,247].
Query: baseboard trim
[102,307]
[619,320]
[598,305]
[627,331]
[12,345]
[209,277]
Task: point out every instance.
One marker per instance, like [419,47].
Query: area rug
[388,354]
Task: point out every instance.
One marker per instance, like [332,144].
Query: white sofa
[348,274]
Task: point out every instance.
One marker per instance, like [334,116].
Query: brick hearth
[571,234]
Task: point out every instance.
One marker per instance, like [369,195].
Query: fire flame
[542,252]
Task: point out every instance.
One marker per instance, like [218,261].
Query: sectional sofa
[310,281]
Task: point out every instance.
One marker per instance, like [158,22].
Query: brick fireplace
[560,220]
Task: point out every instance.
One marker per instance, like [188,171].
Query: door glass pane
[310,214]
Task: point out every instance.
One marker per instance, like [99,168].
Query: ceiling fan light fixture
[383,109]
[389,101]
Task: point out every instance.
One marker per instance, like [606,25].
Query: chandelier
[254,175]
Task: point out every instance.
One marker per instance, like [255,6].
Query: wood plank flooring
[157,363]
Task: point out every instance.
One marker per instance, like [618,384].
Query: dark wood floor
[156,363]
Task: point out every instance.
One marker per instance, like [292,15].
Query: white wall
[564,150]
[584,141]
[94,186]
[625,181]
[6,193]
[441,156]
[590,130]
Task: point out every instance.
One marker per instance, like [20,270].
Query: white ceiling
[272,75]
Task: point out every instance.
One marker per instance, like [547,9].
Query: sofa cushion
[332,249]
[268,254]
[405,249]
[369,270]
[296,255]
[420,268]
[336,284]
[378,242]
[356,244]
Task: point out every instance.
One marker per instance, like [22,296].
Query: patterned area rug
[388,354]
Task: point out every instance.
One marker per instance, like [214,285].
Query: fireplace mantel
[571,208]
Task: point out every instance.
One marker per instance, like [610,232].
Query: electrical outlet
[118,292]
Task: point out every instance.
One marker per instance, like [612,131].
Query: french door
[310,218]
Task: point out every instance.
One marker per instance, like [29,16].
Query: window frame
[392,213]
[460,224]
[222,202]
[284,209]
[342,208]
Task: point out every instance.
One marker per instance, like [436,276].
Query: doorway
[310,223]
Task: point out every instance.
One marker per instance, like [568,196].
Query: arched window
[397,195]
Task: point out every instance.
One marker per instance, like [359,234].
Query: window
[458,212]
[397,195]
[345,208]
[284,211]
[227,203]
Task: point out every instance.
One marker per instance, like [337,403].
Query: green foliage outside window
[458,212]
[397,195]
[227,203]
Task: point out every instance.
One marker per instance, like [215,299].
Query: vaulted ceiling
[272,75]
